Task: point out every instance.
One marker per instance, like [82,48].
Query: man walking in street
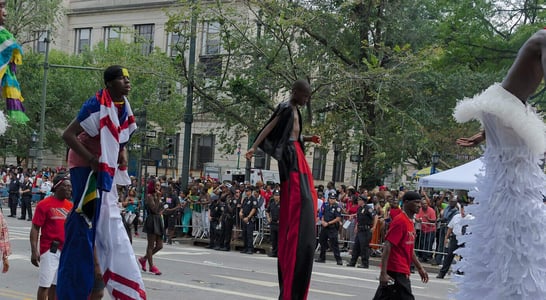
[48,225]
[398,254]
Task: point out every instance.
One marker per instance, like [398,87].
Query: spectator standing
[273,214]
[48,227]
[45,186]
[331,217]
[186,217]
[26,199]
[366,223]
[449,213]
[427,218]
[398,254]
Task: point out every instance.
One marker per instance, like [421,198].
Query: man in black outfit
[247,214]
[26,199]
[273,212]
[367,220]
[14,188]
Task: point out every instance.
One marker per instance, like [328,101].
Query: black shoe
[363,267]
[20,218]
[216,248]
[320,260]
[249,252]
[340,262]
[440,276]
[224,249]
[351,264]
[272,255]
[459,273]
[11,216]
[29,219]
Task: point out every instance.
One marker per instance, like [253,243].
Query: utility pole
[188,114]
[40,156]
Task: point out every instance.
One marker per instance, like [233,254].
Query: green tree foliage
[26,17]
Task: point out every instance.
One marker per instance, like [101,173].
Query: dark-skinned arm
[70,137]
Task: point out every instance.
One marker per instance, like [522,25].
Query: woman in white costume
[505,256]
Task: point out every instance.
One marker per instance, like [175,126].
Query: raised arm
[472,141]
[70,136]
[265,132]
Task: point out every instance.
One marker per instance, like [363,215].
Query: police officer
[26,199]
[228,206]
[331,216]
[366,221]
[14,188]
[273,212]
[247,215]
[215,212]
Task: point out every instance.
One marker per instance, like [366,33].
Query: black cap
[332,195]
[410,196]
[362,198]
[113,72]
[276,193]
[249,188]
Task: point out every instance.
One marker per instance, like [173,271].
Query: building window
[111,33]
[211,39]
[177,39]
[39,41]
[212,66]
[319,163]
[83,39]
[339,166]
[202,151]
[145,37]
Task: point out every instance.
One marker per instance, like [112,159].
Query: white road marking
[208,289]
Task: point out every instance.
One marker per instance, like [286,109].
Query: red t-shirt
[394,211]
[401,235]
[430,214]
[50,216]
[267,195]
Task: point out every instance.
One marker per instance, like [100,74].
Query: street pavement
[194,272]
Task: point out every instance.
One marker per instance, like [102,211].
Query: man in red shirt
[49,219]
[427,218]
[398,254]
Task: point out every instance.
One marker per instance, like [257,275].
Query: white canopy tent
[462,177]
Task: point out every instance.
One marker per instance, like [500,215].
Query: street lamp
[32,151]
[435,161]
[238,155]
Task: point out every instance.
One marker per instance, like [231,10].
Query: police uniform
[249,204]
[215,212]
[330,232]
[273,209]
[365,216]
[229,207]
[26,200]
[13,197]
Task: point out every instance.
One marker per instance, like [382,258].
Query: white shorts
[49,265]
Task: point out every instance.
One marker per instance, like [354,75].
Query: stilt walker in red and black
[281,138]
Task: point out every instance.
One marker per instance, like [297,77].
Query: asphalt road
[191,272]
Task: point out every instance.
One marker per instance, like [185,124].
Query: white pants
[49,265]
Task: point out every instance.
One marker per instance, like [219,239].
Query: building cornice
[121,7]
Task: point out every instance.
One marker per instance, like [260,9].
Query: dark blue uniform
[330,232]
[365,215]
[215,227]
[13,189]
[228,208]
[273,209]
[249,204]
